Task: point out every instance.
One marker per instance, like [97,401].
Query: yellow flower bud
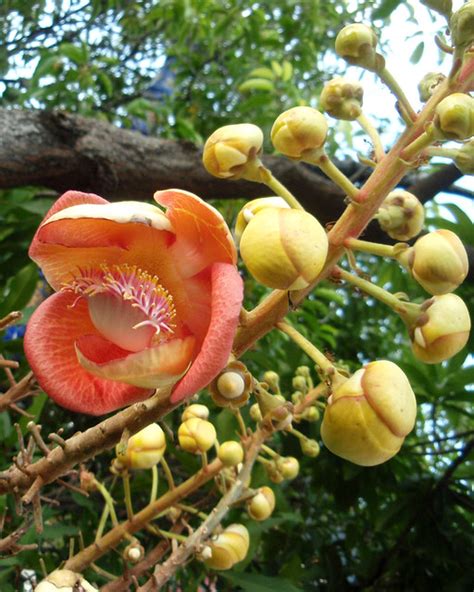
[462,25]
[311,414]
[144,450]
[428,84]
[299,384]
[229,547]
[255,412]
[272,379]
[438,261]
[299,130]
[261,505]
[356,44]
[464,159]
[64,580]
[297,397]
[454,118]
[401,215]
[368,416]
[195,410]
[196,435]
[231,148]
[232,386]
[442,329]
[273,472]
[284,249]
[289,467]
[231,453]
[253,207]
[342,99]
[310,447]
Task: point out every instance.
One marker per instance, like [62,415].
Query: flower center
[127,305]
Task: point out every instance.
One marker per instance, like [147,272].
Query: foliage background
[405,525]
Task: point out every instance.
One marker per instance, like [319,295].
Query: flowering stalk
[373,134]
[322,160]
[372,248]
[406,109]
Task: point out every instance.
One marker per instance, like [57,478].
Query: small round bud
[369,415]
[133,553]
[296,241]
[196,435]
[229,150]
[289,467]
[64,580]
[310,447]
[229,547]
[438,262]
[464,159]
[144,450]
[303,371]
[232,386]
[462,25]
[342,99]
[401,215]
[428,85]
[311,414]
[255,412]
[273,471]
[253,207]
[261,506]
[195,410]
[272,379]
[231,453]
[299,130]
[356,44]
[442,329]
[454,118]
[297,397]
[299,384]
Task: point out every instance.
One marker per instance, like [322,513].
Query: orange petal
[155,367]
[202,235]
[49,347]
[227,295]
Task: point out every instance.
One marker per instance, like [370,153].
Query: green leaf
[417,53]
[250,582]
[19,289]
[77,54]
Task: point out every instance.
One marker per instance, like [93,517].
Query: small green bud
[299,384]
[428,85]
[309,447]
[255,413]
[303,371]
[401,215]
[454,118]
[297,397]
[462,25]
[272,379]
[311,414]
[356,44]
[342,99]
[289,467]
[231,453]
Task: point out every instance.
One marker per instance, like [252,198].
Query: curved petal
[227,295]
[154,367]
[49,347]
[202,235]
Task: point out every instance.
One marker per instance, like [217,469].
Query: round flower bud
[272,379]
[231,453]
[255,412]
[195,410]
[299,383]
[253,207]
[464,159]
[369,415]
[261,505]
[299,130]
[428,84]
[229,149]
[133,553]
[310,447]
[401,215]
[303,371]
[289,467]
[438,262]
[442,329]
[454,118]
[297,397]
[232,386]
[356,44]
[311,414]
[229,547]
[273,471]
[196,435]
[342,99]
[64,580]
[462,25]
[284,249]
[144,450]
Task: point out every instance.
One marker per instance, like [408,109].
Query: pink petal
[227,295]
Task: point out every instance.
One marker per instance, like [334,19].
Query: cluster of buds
[401,215]
[64,580]
[227,548]
[143,451]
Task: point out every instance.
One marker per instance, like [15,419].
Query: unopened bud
[255,412]
[252,208]
[195,410]
[299,130]
[289,467]
[401,215]
[262,504]
[230,149]
[462,25]
[133,553]
[196,435]
[231,453]
[232,386]
[311,414]
[297,242]
[273,472]
[297,397]
[464,159]
[272,379]
[369,415]
[144,450]
[303,371]
[442,329]
[356,44]
[309,447]
[64,580]
[299,383]
[229,547]
[428,85]
[454,117]
[342,99]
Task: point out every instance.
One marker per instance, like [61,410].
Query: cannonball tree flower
[145,299]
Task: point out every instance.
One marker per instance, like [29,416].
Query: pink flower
[145,300]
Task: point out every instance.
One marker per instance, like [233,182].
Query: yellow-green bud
[229,150]
[231,453]
[253,207]
[401,215]
[442,329]
[232,386]
[64,580]
[462,25]
[299,384]
[464,159]
[299,130]
[261,505]
[303,371]
[144,450]
[356,44]
[255,412]
[284,249]
[229,547]
[272,379]
[438,262]
[195,410]
[273,471]
[368,416]
[309,447]
[454,118]
[289,467]
[297,397]
[311,414]
[342,99]
[196,435]
[428,85]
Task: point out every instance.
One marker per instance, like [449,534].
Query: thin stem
[108,500]
[167,471]
[172,535]
[269,450]
[321,159]
[154,483]
[102,522]
[393,85]
[417,146]
[442,151]
[369,247]
[240,420]
[373,134]
[191,510]
[204,460]
[127,494]
[264,175]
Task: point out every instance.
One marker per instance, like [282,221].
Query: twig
[18,391]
